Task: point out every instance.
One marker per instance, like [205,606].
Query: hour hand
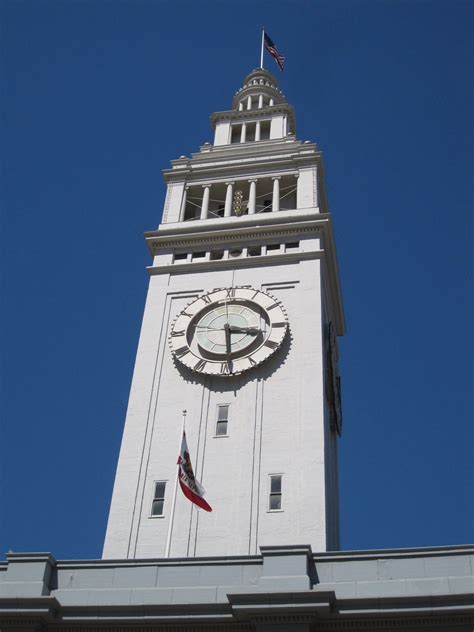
[244,330]
[228,342]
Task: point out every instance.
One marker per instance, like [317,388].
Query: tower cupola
[259,112]
[260,89]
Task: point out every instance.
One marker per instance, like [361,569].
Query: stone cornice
[228,225]
[229,237]
[438,551]
[233,158]
[255,114]
[104,595]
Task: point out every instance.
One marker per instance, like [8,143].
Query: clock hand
[244,330]
[227,338]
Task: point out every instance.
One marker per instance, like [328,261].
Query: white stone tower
[239,329]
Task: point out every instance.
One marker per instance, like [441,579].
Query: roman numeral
[278,324]
[181,351]
[206,299]
[186,314]
[199,365]
[256,294]
[271,344]
[272,306]
[174,334]
[230,292]
[252,361]
[225,368]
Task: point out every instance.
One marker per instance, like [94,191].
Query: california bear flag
[192,489]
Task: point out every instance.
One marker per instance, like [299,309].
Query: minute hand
[244,330]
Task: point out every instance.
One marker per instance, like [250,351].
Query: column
[183,204]
[260,101]
[243,132]
[257,131]
[228,199]
[252,196]
[276,194]
[205,200]
[249,103]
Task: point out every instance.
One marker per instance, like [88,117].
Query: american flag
[272,49]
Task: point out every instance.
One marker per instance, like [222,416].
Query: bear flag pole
[173,504]
[190,486]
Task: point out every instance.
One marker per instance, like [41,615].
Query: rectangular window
[264,130]
[273,247]
[274,503]
[235,133]
[158,498]
[180,256]
[250,132]
[222,420]
[294,245]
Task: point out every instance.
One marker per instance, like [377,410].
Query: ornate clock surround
[228,331]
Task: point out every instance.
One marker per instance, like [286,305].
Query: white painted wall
[306,191]
[174,197]
[278,418]
[277,126]
[222,133]
[276,426]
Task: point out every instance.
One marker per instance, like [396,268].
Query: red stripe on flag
[194,498]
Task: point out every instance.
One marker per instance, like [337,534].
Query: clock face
[228,331]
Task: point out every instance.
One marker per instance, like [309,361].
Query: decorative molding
[315,185]
[152,627]
[438,551]
[169,192]
[231,238]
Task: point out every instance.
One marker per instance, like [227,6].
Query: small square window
[292,246]
[274,501]
[273,247]
[216,255]
[222,420]
[198,255]
[180,256]
[255,251]
[158,498]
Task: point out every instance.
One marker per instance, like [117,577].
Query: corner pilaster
[28,575]
[285,568]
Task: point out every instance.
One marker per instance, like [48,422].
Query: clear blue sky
[97,98]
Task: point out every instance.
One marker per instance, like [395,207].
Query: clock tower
[240,328]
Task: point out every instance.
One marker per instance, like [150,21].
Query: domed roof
[259,81]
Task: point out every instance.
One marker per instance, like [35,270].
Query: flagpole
[261,51]
[173,504]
